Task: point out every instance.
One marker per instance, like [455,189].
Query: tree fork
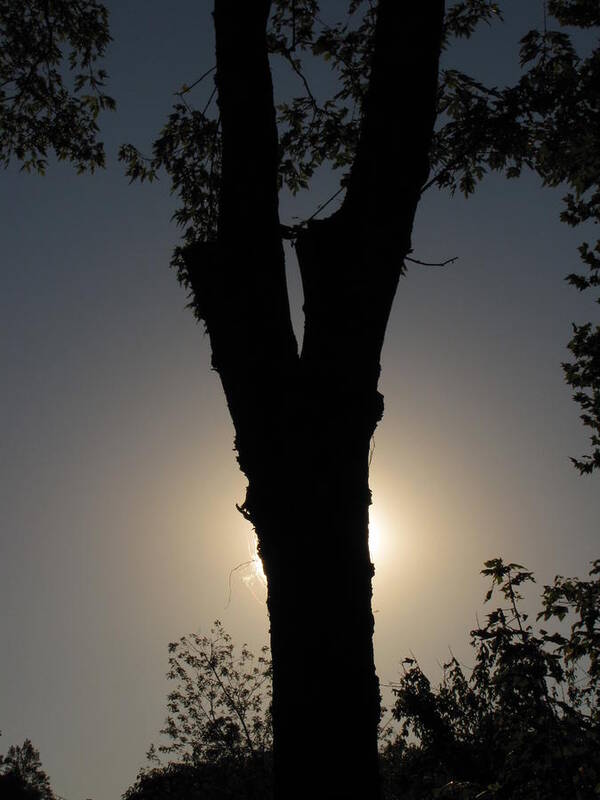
[304,421]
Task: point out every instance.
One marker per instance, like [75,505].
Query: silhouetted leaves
[22,776]
[522,724]
[583,375]
[549,121]
[51,91]
[218,729]
[582,13]
[525,724]
[315,128]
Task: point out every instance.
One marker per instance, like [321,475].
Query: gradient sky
[119,483]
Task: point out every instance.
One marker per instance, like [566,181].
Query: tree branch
[392,161]
[350,263]
[239,282]
[431,263]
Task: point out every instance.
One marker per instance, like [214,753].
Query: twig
[290,232]
[235,569]
[195,83]
[209,101]
[326,203]
[432,263]
[289,58]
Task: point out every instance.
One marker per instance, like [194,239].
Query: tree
[218,729]
[22,776]
[304,418]
[51,91]
[526,722]
[523,722]
[304,421]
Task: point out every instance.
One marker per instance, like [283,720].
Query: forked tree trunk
[304,421]
[312,524]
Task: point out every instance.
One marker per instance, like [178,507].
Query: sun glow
[377,536]
[257,564]
[255,578]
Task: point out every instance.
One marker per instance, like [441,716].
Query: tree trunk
[325,691]
[312,525]
[304,421]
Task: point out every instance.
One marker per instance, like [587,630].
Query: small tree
[22,776]
[526,724]
[218,726]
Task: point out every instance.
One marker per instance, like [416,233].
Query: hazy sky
[119,483]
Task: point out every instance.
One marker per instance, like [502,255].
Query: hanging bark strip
[303,422]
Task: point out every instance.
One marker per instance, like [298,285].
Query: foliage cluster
[22,776]
[524,724]
[51,91]
[548,122]
[315,128]
[218,726]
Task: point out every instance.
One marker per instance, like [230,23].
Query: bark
[304,421]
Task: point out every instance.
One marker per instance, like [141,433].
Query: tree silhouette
[22,776]
[41,42]
[304,417]
[304,421]
[522,723]
[525,721]
[218,730]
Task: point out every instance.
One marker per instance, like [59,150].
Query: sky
[119,482]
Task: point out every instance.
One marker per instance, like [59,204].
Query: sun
[255,578]
[257,564]
[376,536]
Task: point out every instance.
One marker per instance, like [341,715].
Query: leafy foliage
[581,599]
[523,725]
[581,13]
[189,150]
[204,781]
[526,722]
[547,122]
[314,130]
[463,17]
[51,91]
[583,375]
[219,725]
[22,776]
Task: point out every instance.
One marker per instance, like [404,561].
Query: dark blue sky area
[119,527]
